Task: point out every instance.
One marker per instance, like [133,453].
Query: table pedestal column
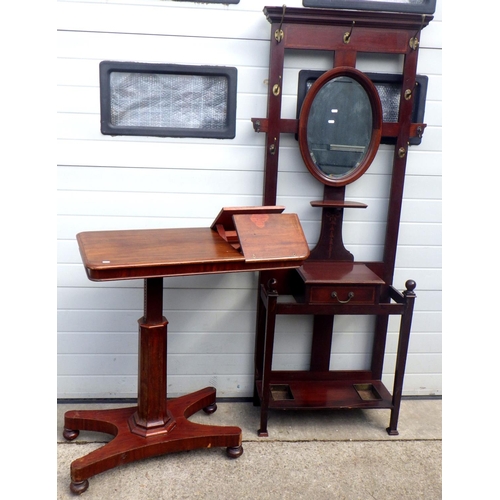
[152,416]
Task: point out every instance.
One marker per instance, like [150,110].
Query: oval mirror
[340,126]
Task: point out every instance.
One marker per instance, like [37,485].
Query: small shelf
[324,272]
[321,394]
[338,204]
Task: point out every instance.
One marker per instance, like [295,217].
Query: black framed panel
[389,89]
[413,6]
[168,100]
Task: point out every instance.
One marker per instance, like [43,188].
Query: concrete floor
[312,455]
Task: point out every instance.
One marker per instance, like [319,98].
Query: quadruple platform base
[128,446]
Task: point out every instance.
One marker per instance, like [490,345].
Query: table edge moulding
[264,238]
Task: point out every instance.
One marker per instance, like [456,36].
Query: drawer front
[344,294]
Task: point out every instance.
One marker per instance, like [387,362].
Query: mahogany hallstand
[332,282]
[157,425]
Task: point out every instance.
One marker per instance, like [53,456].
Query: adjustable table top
[276,242]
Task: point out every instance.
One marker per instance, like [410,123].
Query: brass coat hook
[278,34]
[347,34]
[272,147]
[414,42]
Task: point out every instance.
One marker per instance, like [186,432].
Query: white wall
[143,182]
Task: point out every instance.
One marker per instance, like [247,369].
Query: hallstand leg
[272,297]
[259,346]
[402,354]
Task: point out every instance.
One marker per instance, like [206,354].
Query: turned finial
[410,285]
[271,285]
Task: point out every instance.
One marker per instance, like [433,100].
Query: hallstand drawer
[344,294]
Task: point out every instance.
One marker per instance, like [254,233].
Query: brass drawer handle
[350,295]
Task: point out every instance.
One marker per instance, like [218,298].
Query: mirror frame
[376,136]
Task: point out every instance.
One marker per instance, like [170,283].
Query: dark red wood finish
[321,287]
[157,425]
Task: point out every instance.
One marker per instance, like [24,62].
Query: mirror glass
[339,126]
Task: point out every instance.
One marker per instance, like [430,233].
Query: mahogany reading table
[240,239]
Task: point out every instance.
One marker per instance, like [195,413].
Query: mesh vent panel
[168,100]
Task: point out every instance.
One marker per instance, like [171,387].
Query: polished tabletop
[147,253]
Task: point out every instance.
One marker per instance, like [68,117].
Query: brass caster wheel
[210,409]
[70,434]
[78,487]
[234,451]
